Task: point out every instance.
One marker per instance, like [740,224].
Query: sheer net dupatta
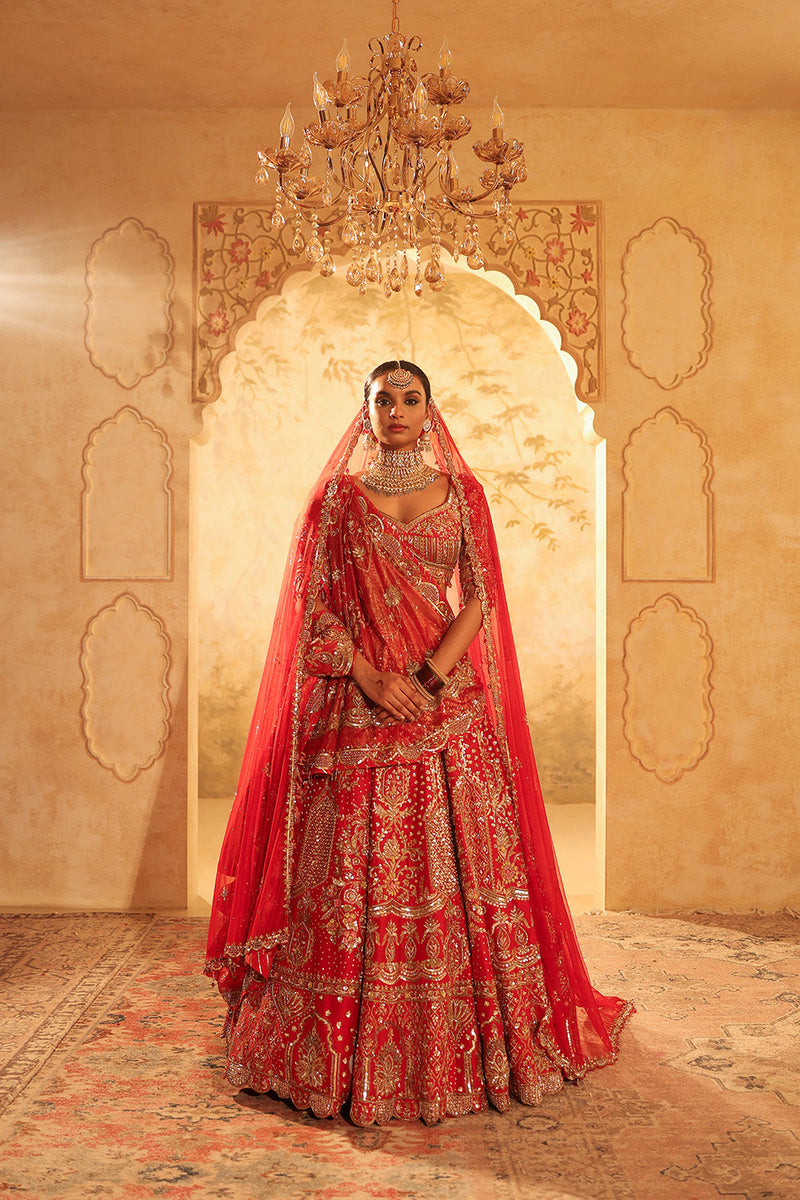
[249,916]
[583,1026]
[250,906]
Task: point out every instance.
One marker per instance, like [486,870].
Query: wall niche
[126,509]
[667,502]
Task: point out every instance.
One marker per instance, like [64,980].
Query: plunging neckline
[397,520]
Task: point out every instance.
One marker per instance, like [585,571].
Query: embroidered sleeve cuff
[330,650]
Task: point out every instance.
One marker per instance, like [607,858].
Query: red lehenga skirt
[411,983]
[413,956]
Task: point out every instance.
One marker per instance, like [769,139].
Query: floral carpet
[111,1083]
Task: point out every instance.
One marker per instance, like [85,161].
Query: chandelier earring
[423,441]
[367,436]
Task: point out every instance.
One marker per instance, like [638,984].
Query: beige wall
[724,835]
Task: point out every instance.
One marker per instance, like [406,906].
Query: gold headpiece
[400,378]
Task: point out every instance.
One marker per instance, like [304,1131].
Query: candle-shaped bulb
[497,117]
[420,96]
[320,95]
[343,59]
[287,125]
[444,56]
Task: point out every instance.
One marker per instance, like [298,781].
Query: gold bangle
[443,679]
[423,691]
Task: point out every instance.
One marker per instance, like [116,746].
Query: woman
[389,926]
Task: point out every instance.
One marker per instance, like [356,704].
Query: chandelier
[379,167]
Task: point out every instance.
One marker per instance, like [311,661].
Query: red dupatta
[250,908]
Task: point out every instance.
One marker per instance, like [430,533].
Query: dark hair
[385,367]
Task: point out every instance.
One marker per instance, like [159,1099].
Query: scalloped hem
[431,1112]
[382,1111]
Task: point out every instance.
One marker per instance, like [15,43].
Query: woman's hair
[385,367]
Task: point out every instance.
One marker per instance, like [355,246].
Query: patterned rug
[111,1084]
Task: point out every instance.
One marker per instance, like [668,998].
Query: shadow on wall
[289,388]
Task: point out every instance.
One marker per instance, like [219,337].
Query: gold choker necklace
[396,472]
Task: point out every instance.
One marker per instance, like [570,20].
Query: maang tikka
[399,377]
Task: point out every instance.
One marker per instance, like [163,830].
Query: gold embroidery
[386,1072]
[311,1061]
[320,826]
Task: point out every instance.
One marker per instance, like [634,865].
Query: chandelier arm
[312,202]
[378,174]
[468,211]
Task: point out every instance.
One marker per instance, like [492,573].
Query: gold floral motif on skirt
[411,983]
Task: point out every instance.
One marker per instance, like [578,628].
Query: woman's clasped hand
[396,698]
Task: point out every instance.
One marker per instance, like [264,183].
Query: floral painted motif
[211,219]
[554,251]
[577,321]
[218,321]
[580,220]
[240,251]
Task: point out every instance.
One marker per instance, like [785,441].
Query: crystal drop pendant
[314,249]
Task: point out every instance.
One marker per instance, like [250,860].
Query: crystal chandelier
[379,167]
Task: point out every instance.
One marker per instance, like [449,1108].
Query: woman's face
[397,414]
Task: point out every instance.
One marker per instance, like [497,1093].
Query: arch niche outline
[554,260]
[233,282]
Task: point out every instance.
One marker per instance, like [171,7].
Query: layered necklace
[397,472]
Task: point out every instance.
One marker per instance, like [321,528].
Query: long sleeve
[330,648]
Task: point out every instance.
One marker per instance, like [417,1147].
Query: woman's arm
[330,651]
[459,637]
[451,648]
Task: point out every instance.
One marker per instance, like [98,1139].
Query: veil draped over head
[251,901]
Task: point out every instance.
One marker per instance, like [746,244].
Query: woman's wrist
[361,671]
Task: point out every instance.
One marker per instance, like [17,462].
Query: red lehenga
[389,926]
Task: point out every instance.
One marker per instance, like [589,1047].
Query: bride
[389,927]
